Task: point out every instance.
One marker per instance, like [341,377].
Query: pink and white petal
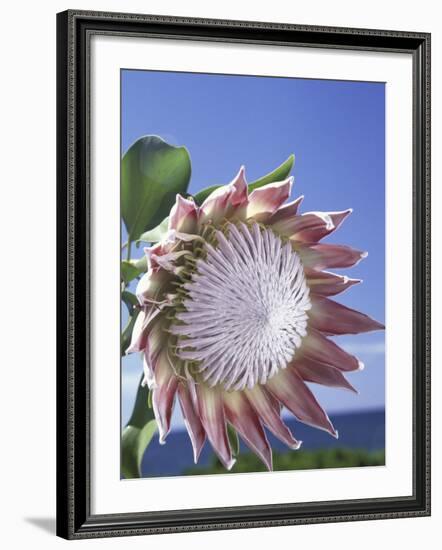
[168,261]
[326,256]
[315,234]
[156,249]
[286,212]
[316,347]
[225,200]
[140,331]
[325,283]
[215,207]
[337,219]
[184,215]
[267,199]
[152,285]
[239,189]
[289,388]
[268,410]
[211,413]
[312,371]
[163,393]
[139,334]
[299,228]
[186,237]
[333,318]
[191,420]
[241,415]
[156,341]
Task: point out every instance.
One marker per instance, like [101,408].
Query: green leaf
[128,271]
[133,268]
[133,446]
[157,233]
[130,300]
[152,173]
[233,440]
[137,434]
[126,335]
[279,174]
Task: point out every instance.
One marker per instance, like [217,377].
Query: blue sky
[336,129]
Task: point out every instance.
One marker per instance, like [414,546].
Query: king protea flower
[235,317]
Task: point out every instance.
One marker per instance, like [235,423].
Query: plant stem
[128,247]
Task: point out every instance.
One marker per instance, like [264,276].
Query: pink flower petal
[314,234]
[317,347]
[211,413]
[267,408]
[192,421]
[163,393]
[325,256]
[267,199]
[243,418]
[289,388]
[183,215]
[328,284]
[286,212]
[312,371]
[239,190]
[333,318]
[225,200]
[156,341]
[168,261]
[140,330]
[139,335]
[153,285]
[158,249]
[300,228]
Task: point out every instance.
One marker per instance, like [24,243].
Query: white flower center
[246,308]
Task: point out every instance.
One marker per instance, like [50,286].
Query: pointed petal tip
[335,434]
[364,255]
[296,446]
[361,365]
[229,465]
[196,453]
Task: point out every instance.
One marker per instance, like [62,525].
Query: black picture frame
[74,518]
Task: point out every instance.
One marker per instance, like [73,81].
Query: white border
[108,493]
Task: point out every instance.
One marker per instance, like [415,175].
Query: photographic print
[243,274]
[252,274]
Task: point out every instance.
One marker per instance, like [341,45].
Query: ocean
[357,430]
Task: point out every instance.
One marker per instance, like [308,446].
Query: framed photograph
[243,274]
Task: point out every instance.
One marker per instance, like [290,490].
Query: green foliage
[152,173]
[278,174]
[137,434]
[130,300]
[133,445]
[131,269]
[297,460]
[157,233]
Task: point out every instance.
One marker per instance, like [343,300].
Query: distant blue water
[361,430]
